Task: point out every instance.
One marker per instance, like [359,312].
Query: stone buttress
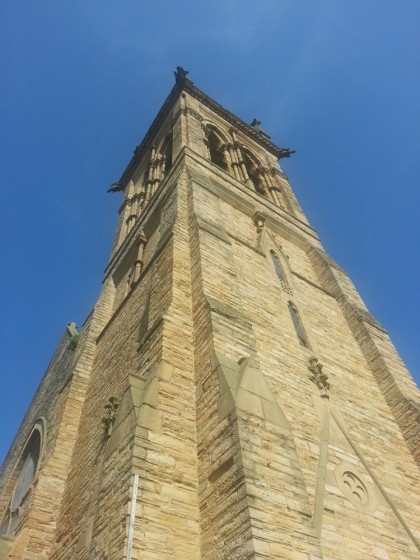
[230,396]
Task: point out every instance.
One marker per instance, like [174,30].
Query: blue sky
[81,81]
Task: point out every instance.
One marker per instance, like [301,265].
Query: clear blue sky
[81,81]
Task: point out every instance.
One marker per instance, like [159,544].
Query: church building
[229,396]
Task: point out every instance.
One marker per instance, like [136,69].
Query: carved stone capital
[110,414]
[141,237]
[233,132]
[259,220]
[318,377]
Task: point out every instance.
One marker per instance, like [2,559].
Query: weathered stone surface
[238,440]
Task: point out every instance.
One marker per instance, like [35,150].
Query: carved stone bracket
[318,377]
[259,220]
[110,413]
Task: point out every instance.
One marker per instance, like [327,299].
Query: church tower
[229,396]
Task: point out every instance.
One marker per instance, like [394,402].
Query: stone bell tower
[229,396]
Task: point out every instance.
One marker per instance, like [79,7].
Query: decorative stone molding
[189,111]
[244,388]
[213,229]
[276,171]
[259,220]
[141,240]
[298,326]
[318,377]
[358,491]
[139,405]
[26,477]
[110,414]
[354,488]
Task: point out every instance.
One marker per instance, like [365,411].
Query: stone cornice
[188,86]
[236,122]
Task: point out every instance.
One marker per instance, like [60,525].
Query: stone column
[138,263]
[228,159]
[265,183]
[158,167]
[267,179]
[130,207]
[142,195]
[272,192]
[290,202]
[243,168]
[235,156]
[235,164]
[135,205]
[277,198]
[149,183]
[205,141]
[130,222]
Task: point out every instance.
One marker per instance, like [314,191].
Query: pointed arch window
[216,149]
[278,267]
[253,170]
[27,471]
[297,323]
[166,152]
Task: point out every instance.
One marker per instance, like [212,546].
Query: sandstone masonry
[230,396]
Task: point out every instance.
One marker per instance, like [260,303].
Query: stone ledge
[213,229]
[224,309]
[317,286]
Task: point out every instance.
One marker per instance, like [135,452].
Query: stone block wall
[249,317]
[37,512]
[219,405]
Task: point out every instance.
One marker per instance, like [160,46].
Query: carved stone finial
[180,75]
[110,414]
[318,377]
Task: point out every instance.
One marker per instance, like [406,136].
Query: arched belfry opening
[216,147]
[253,169]
[166,153]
